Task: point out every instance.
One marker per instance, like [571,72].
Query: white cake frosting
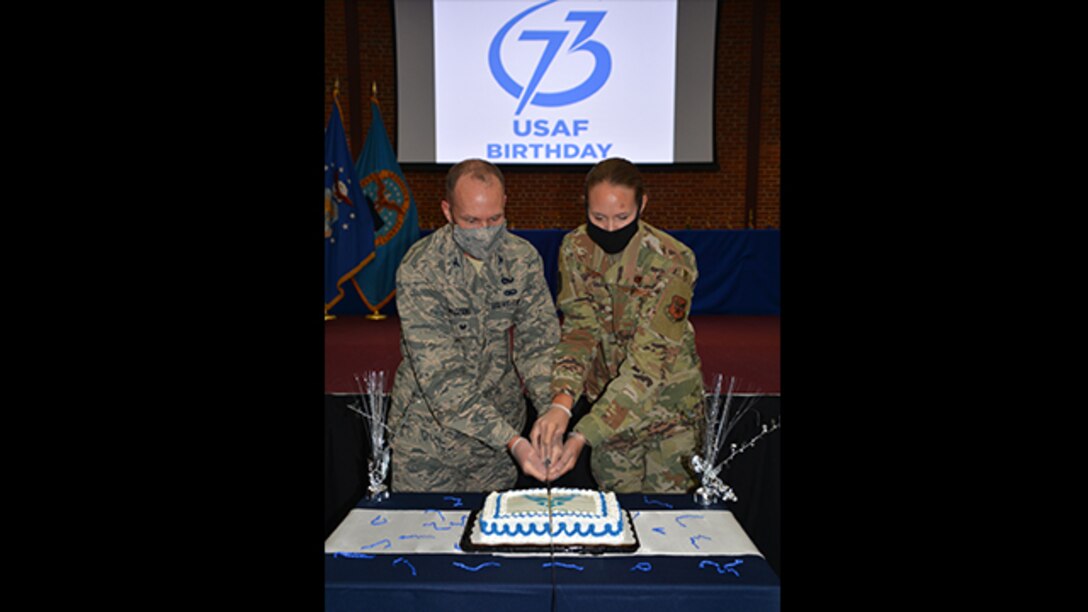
[578,516]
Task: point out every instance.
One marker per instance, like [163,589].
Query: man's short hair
[478,169]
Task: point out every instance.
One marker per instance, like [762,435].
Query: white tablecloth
[660,532]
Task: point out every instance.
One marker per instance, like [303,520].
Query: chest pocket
[600,297]
[634,296]
[465,335]
[463,322]
[641,288]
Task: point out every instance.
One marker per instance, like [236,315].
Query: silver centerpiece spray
[720,420]
[373,406]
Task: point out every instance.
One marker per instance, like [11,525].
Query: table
[486,583]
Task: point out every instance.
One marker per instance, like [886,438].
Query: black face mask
[615,241]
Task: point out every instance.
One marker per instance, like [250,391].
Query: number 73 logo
[528,93]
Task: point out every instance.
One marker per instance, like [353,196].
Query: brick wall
[678,199]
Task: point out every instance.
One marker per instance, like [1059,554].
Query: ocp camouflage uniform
[465,338]
[628,346]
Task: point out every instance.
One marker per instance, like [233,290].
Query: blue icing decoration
[559,528]
[698,537]
[687,516]
[722,569]
[559,500]
[490,528]
[566,565]
[536,499]
[478,567]
[656,502]
[386,540]
[406,562]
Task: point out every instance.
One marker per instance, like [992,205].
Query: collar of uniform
[450,255]
[626,266]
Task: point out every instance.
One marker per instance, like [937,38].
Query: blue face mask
[478,242]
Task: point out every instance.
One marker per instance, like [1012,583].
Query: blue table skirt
[600,584]
[738,270]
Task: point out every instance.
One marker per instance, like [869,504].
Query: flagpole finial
[336,88]
[374,89]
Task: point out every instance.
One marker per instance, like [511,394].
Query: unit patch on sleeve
[677,308]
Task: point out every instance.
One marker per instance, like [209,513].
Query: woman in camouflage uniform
[626,346]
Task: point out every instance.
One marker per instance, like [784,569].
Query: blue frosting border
[559,528]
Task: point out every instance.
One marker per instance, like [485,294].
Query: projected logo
[554,39]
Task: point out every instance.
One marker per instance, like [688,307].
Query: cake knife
[551,536]
[548,486]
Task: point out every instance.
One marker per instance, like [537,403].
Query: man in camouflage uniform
[478,329]
[627,345]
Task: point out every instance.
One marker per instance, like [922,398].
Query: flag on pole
[383,182]
[349,230]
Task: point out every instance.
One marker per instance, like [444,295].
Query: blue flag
[349,230]
[383,182]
